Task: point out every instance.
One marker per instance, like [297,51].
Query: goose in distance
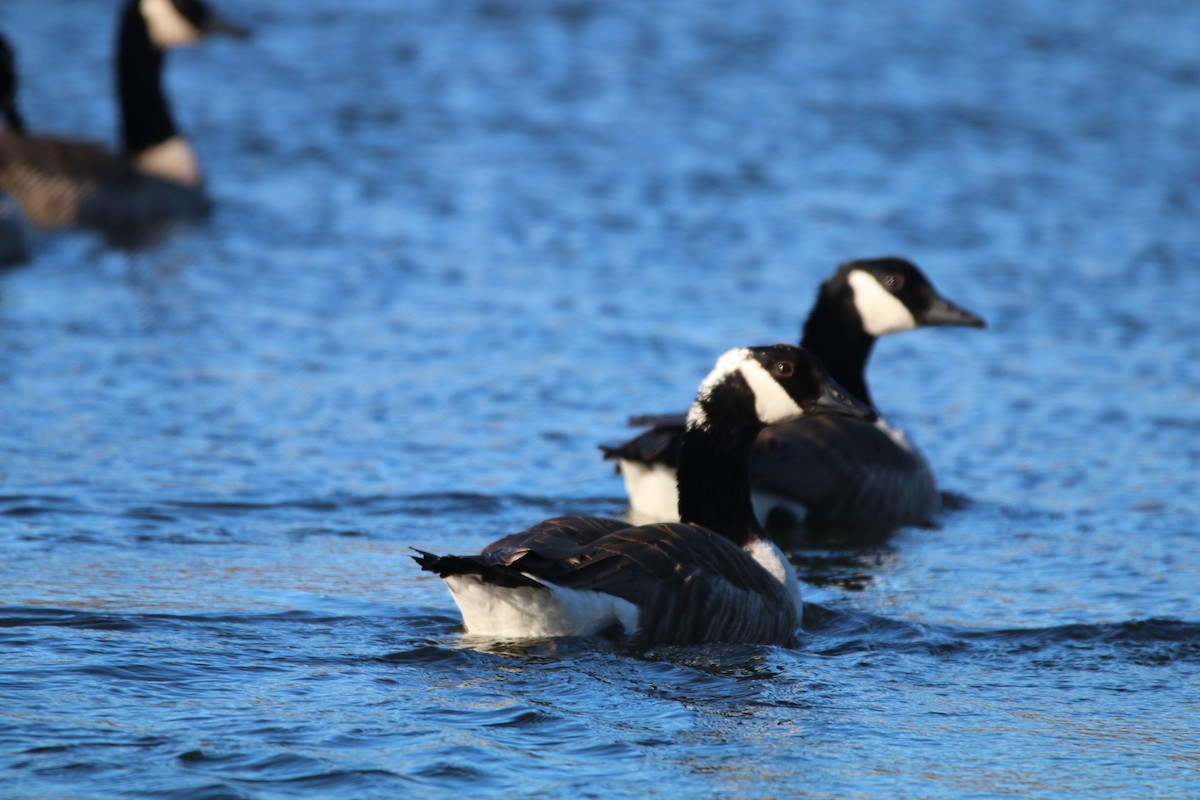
[827,471]
[155,178]
[711,578]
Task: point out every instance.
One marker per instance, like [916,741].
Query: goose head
[769,385]
[173,23]
[892,295]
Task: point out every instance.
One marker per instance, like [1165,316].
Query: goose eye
[893,281]
[784,369]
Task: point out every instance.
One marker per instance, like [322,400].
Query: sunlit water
[455,245]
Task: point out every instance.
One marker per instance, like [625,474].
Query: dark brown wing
[62,182]
[552,540]
[676,420]
[845,471]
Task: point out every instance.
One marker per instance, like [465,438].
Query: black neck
[8,88]
[13,118]
[714,476]
[834,333]
[145,117]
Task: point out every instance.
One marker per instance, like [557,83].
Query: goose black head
[172,23]
[769,385]
[892,295]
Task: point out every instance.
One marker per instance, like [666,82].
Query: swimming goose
[828,470]
[14,239]
[62,182]
[711,578]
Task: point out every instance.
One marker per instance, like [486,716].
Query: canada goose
[14,239]
[62,182]
[710,578]
[829,470]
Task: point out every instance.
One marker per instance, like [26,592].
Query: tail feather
[497,575]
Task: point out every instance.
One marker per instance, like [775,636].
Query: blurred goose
[711,578]
[14,239]
[829,470]
[63,182]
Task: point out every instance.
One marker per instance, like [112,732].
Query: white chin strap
[172,160]
[771,402]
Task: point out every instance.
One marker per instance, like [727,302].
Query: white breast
[173,160]
[895,434]
[653,491]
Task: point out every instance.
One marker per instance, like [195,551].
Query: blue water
[455,245]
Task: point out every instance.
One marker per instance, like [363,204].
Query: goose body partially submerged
[711,578]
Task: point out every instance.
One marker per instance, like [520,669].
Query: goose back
[832,471]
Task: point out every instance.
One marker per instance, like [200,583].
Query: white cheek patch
[168,28]
[880,310]
[772,403]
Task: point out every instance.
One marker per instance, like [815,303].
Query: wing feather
[845,471]
[61,182]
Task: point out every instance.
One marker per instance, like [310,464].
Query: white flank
[766,502]
[172,160]
[653,491]
[895,434]
[772,559]
[772,403]
[880,310]
[526,612]
[168,28]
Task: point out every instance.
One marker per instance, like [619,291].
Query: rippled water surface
[455,245]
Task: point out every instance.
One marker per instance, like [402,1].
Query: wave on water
[420,504]
[21,505]
[30,616]
[829,632]
[1155,641]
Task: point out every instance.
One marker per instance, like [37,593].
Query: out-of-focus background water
[455,244]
